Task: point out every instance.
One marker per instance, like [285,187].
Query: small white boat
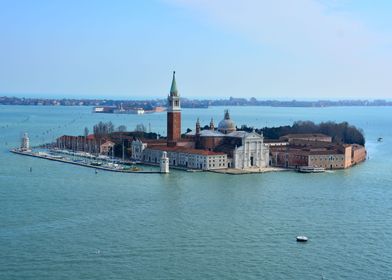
[302,238]
[310,169]
[57,157]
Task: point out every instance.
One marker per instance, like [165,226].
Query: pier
[63,160]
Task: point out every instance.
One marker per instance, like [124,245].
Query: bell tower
[173,115]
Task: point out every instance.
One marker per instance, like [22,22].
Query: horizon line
[132,98]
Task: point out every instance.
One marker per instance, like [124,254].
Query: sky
[127,49]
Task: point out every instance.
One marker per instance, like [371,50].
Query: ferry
[104,109]
[310,169]
[136,111]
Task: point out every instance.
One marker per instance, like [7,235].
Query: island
[224,148]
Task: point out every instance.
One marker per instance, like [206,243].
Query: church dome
[226,125]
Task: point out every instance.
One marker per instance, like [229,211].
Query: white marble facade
[253,153]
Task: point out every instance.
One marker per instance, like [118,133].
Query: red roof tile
[180,149]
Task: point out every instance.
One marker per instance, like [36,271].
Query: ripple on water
[55,220]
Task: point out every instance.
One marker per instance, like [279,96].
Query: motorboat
[311,169]
[302,238]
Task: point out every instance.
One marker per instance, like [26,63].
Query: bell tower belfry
[173,114]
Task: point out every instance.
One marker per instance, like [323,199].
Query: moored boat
[310,169]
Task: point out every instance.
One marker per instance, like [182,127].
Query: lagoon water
[66,222]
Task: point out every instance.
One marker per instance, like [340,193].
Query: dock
[62,160]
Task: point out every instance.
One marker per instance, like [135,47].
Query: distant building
[106,148]
[317,154]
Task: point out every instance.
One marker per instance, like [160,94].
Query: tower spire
[173,89]
[227,115]
[212,126]
[197,126]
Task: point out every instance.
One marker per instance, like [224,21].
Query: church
[208,149]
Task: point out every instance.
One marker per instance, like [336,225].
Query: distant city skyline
[284,50]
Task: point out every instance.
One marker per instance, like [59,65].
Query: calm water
[65,222]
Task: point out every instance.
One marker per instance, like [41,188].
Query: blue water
[66,222]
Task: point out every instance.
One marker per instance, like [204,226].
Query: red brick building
[300,153]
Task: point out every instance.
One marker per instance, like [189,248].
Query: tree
[110,127]
[122,128]
[140,128]
[86,132]
[340,132]
[102,129]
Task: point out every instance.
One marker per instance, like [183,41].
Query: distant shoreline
[151,104]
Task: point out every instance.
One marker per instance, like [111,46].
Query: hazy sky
[281,49]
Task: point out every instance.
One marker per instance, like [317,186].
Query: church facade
[208,149]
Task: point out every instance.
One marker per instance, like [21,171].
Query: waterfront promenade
[229,171]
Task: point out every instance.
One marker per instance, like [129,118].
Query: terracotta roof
[154,141]
[304,135]
[266,141]
[107,142]
[180,149]
[357,146]
[207,133]
[306,152]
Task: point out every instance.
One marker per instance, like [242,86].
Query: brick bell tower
[173,115]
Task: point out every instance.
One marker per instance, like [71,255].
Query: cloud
[297,26]
[315,33]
